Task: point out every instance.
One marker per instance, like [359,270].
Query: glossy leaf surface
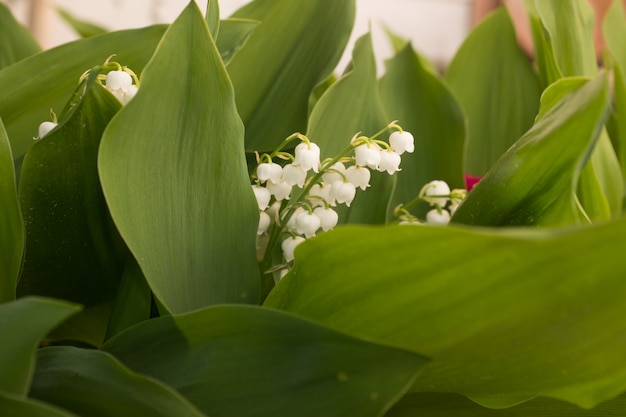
[26,101]
[424,106]
[352,105]
[497,88]
[23,323]
[251,361]
[534,183]
[16,43]
[449,405]
[72,250]
[504,316]
[296,46]
[11,228]
[94,383]
[175,177]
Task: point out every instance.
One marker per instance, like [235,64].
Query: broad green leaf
[352,105]
[11,227]
[83,28]
[568,26]
[29,92]
[549,71]
[12,405]
[175,177]
[23,323]
[615,36]
[450,405]
[297,46]
[213,17]
[251,361]
[133,301]
[16,43]
[72,249]
[534,183]
[234,33]
[506,316]
[94,383]
[497,88]
[424,106]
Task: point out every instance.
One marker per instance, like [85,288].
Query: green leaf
[72,250]
[23,323]
[16,42]
[13,405]
[175,177]
[133,301]
[568,27]
[234,33]
[424,106]
[352,105]
[497,88]
[506,316]
[11,227]
[549,71]
[297,46]
[83,28]
[615,36]
[534,183]
[450,405]
[94,383]
[250,361]
[213,17]
[28,92]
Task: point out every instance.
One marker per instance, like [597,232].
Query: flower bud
[45,128]
[328,217]
[343,192]
[119,81]
[434,217]
[269,171]
[401,142]
[359,176]
[289,246]
[307,155]
[262,195]
[436,188]
[307,224]
[264,223]
[389,161]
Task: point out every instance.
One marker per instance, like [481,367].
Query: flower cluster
[297,199]
[438,195]
[117,79]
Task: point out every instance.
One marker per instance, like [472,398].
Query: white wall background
[435,27]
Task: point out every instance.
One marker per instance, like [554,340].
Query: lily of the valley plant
[201,219]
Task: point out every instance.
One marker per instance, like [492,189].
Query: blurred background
[436,27]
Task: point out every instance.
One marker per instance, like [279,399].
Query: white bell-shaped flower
[328,217]
[294,175]
[343,192]
[307,224]
[263,196]
[359,176]
[119,81]
[280,190]
[401,142]
[434,217]
[289,246]
[436,188]
[45,128]
[320,193]
[291,222]
[269,171]
[389,161]
[264,223]
[332,174]
[368,155]
[307,155]
[128,95]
